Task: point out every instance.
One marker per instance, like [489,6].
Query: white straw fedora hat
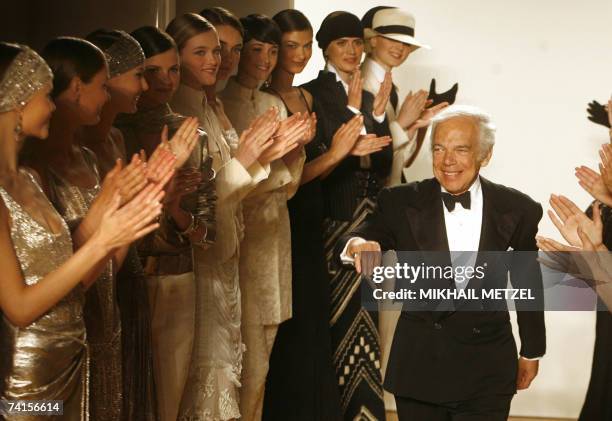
[395,24]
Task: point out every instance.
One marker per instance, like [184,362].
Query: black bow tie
[450,200]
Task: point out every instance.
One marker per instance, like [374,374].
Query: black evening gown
[349,192]
[301,384]
[598,402]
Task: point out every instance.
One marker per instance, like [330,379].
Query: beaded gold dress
[48,359]
[101,311]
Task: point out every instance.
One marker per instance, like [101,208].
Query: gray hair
[486,140]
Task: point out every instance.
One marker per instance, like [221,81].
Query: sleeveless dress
[102,317]
[48,359]
[301,367]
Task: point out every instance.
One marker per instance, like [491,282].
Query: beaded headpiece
[124,54]
[27,74]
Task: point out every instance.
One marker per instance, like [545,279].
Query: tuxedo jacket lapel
[499,222]
[426,219]
[336,90]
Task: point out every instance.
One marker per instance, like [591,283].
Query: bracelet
[209,237]
[191,228]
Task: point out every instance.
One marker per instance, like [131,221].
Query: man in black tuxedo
[459,366]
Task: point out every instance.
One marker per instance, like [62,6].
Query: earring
[267,82]
[18,127]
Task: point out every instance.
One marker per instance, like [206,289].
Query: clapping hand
[584,235]
[369,143]
[598,185]
[427,114]
[121,226]
[128,181]
[593,183]
[184,182]
[568,218]
[345,137]
[605,166]
[598,113]
[411,108]
[286,138]
[311,129]
[438,98]
[183,141]
[355,90]
[161,162]
[257,137]
[382,97]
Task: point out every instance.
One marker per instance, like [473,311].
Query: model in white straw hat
[390,34]
[392,23]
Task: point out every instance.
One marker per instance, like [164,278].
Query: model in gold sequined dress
[46,360]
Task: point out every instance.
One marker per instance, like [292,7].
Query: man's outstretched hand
[367,255]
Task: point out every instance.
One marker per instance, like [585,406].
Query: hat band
[395,29]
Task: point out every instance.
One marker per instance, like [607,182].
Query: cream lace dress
[211,392]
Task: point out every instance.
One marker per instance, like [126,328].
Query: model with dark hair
[265,260]
[301,369]
[43,335]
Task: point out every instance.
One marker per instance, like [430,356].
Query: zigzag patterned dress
[354,329]
[349,192]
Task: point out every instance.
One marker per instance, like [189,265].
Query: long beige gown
[211,391]
[265,259]
[48,359]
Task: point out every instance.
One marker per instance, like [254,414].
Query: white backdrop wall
[533,66]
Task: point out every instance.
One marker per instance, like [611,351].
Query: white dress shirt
[463,225]
[463,229]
